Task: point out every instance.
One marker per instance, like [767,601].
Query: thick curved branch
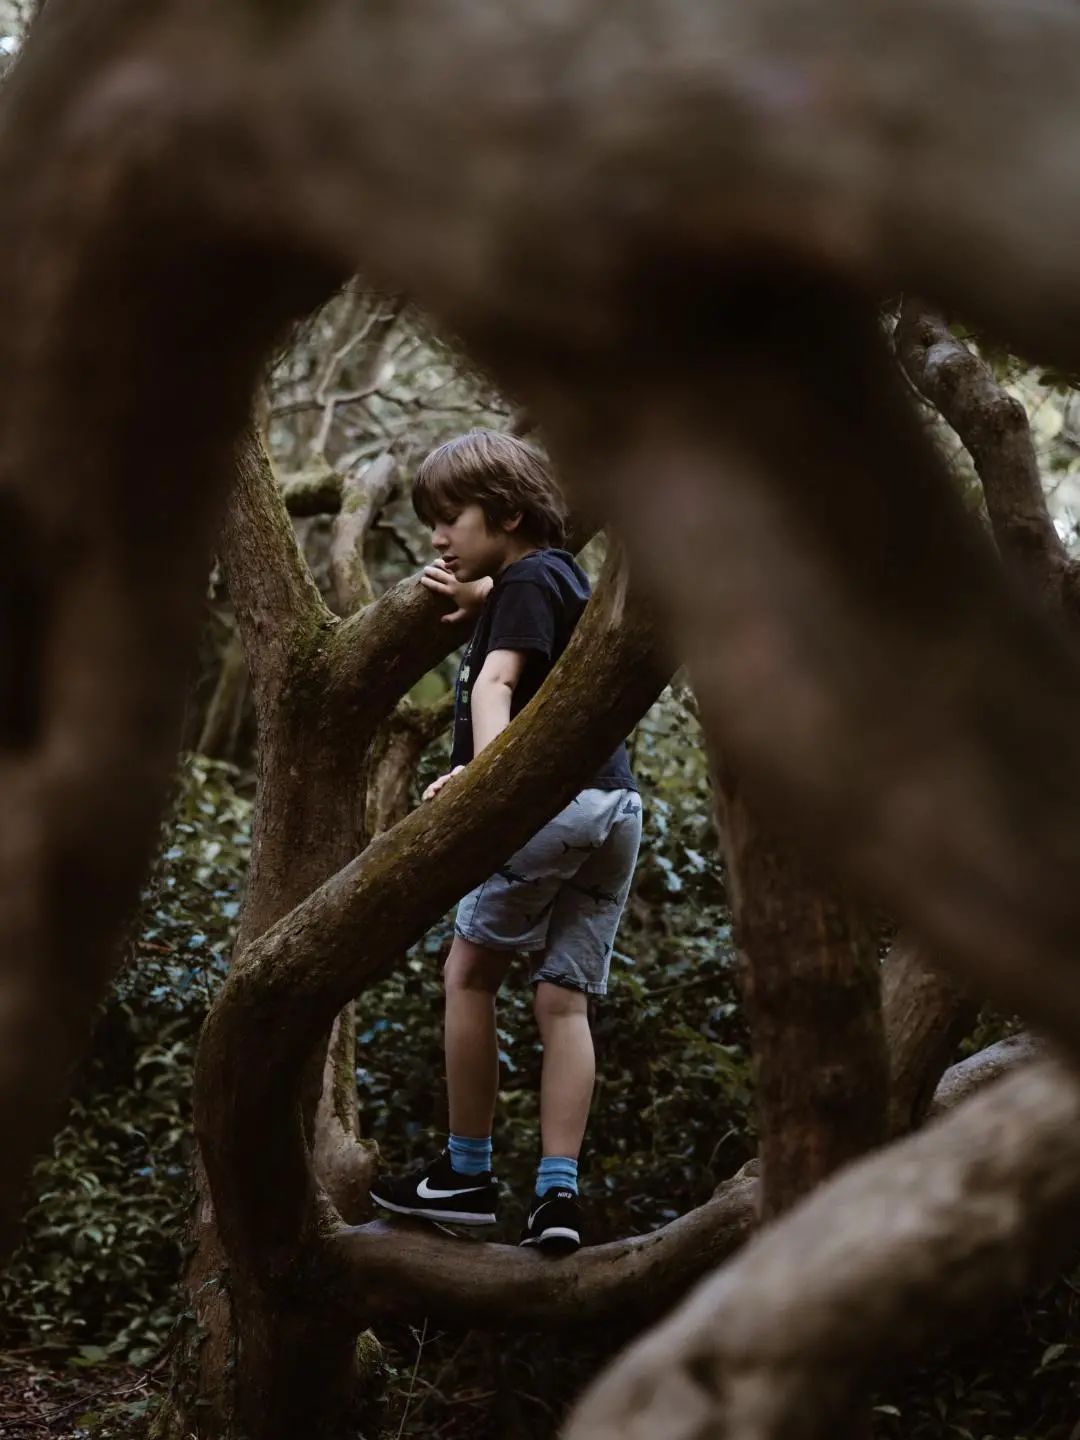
[855,649]
[403,1270]
[380,652]
[895,1250]
[994,427]
[927,1013]
[796,121]
[284,991]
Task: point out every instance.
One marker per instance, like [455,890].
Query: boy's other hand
[436,785]
[467,595]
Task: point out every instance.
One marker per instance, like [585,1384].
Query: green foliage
[96,1273]
[1014,1377]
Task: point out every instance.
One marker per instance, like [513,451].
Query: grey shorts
[563,892]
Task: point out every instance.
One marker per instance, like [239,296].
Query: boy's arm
[492,692]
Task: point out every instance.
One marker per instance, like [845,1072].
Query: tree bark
[344,1163]
[101,568]
[310,819]
[810,980]
[927,1013]
[315,491]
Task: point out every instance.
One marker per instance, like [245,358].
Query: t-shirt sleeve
[523,619]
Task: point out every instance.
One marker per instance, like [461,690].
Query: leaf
[1052,1353]
[90,1355]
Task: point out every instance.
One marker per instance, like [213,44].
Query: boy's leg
[584,920]
[569,1067]
[472,976]
[458,1187]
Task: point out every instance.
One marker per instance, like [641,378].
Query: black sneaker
[554,1223]
[440,1193]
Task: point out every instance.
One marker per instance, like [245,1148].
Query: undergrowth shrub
[95,1275]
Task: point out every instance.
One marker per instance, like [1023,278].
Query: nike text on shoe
[438,1192]
[554,1223]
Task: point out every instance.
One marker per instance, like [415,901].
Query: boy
[496,519]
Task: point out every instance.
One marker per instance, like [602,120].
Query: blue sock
[468,1156]
[556,1170]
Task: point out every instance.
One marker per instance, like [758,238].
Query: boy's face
[466,545]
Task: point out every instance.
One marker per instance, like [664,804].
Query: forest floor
[39,1401]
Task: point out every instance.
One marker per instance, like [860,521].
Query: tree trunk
[811,986]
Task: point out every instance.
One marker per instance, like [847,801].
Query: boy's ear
[512,522]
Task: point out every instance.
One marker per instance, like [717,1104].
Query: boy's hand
[436,785]
[467,595]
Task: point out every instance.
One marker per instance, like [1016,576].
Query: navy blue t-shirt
[533,607]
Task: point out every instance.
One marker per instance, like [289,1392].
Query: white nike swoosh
[536,1212]
[425,1191]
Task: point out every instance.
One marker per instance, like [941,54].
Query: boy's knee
[470,967]
[556,1002]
